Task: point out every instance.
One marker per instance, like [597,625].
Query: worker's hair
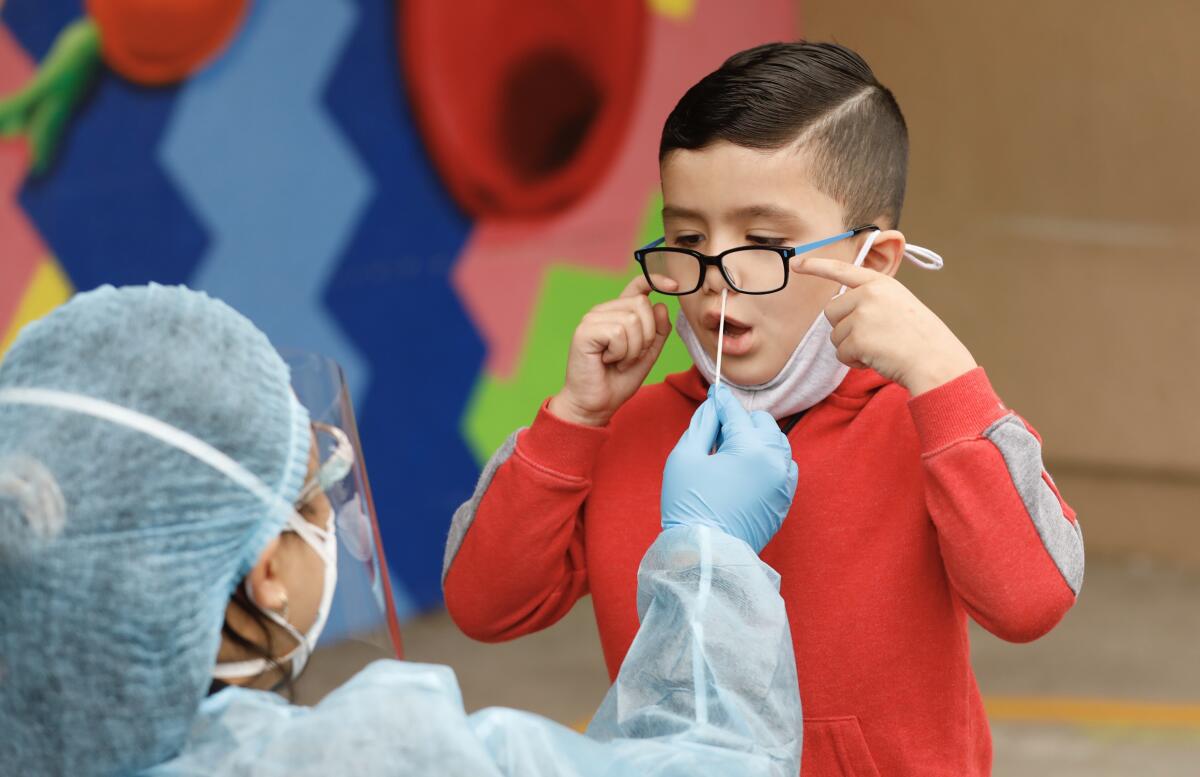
[822,97]
[241,600]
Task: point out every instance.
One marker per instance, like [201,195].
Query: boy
[921,498]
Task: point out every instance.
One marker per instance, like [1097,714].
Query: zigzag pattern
[392,296]
[284,192]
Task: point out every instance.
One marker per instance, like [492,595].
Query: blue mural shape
[392,296]
[105,207]
[250,144]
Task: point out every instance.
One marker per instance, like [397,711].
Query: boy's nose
[714,282]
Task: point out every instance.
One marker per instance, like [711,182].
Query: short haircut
[820,95]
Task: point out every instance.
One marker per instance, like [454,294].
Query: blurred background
[434,192]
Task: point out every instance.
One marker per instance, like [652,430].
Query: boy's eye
[687,241]
[760,240]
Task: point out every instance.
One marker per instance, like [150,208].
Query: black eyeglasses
[747,269]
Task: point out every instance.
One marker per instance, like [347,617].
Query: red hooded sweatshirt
[910,515]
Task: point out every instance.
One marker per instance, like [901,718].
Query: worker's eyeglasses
[336,457]
[746,269]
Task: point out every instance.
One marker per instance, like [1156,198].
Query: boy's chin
[752,373]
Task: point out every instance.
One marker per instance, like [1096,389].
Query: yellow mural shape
[675,9]
[48,289]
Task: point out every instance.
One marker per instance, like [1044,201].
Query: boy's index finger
[846,274]
[639,286]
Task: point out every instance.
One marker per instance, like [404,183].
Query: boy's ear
[887,252]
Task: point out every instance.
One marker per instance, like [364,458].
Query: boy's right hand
[612,351]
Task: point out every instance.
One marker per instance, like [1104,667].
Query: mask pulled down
[813,371]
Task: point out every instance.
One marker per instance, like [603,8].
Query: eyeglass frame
[785,253]
[334,469]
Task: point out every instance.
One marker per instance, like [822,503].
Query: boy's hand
[880,324]
[612,351]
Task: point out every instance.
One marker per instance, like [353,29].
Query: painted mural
[432,193]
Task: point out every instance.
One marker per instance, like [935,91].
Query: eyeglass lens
[748,271]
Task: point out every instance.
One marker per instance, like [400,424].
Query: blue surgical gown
[708,687]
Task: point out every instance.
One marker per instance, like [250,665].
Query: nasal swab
[721,336]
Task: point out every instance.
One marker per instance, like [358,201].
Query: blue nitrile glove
[745,488]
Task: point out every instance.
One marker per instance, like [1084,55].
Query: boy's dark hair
[821,94]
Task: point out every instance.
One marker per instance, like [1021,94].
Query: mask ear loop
[862,255]
[918,255]
[923,257]
[253,667]
[324,543]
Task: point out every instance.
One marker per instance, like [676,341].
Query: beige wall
[1055,165]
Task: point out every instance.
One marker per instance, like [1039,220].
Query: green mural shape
[500,406]
[42,108]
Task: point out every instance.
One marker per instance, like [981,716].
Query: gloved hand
[745,488]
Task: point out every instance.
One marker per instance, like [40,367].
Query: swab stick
[721,335]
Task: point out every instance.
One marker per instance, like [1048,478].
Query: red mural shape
[23,246]
[152,42]
[522,105]
[501,267]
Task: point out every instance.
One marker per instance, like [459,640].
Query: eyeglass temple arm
[830,240]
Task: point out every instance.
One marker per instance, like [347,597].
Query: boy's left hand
[880,324]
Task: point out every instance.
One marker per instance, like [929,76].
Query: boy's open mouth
[738,335]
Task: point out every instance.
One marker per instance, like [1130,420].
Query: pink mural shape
[501,266]
[23,246]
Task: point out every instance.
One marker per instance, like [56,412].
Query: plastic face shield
[156,514]
[362,625]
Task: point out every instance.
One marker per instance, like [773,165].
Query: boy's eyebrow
[674,211]
[773,212]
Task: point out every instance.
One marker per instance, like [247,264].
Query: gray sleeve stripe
[464,516]
[1023,456]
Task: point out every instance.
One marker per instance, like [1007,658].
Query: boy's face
[724,196]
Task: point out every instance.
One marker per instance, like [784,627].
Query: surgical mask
[324,543]
[813,371]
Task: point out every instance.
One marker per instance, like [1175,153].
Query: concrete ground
[1114,690]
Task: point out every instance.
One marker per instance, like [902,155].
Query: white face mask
[324,544]
[813,371]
